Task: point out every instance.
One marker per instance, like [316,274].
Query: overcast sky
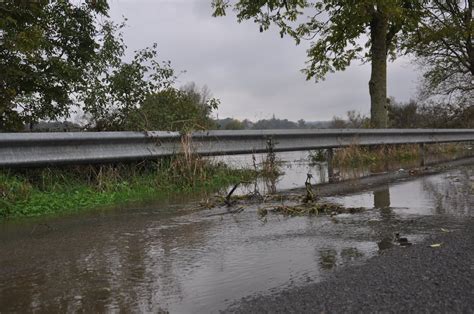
[255,75]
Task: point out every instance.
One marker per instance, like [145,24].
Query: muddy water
[295,166]
[152,259]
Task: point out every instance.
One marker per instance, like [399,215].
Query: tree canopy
[113,88]
[444,46]
[341,31]
[173,109]
[45,50]
[63,56]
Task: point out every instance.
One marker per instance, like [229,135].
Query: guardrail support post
[422,154]
[330,158]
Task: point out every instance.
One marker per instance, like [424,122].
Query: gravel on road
[416,279]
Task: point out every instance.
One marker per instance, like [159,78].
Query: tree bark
[469,37]
[378,77]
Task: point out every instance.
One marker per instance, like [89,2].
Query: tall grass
[35,192]
[271,165]
[356,155]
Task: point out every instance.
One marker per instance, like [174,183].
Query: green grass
[31,193]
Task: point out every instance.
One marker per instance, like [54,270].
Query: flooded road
[153,259]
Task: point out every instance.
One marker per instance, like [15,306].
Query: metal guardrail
[39,149]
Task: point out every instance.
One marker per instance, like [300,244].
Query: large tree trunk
[378,77]
[469,37]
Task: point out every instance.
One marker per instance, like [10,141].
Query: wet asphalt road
[415,279]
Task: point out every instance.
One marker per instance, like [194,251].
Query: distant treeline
[217,124]
[401,115]
[414,115]
[267,124]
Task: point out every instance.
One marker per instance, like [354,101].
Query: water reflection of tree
[385,243]
[166,269]
[129,262]
[384,229]
[327,258]
[321,169]
[350,254]
[347,173]
[453,194]
[382,203]
[330,258]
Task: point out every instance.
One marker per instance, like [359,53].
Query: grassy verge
[354,155]
[37,192]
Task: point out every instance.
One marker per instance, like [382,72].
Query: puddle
[443,194]
[149,260]
[295,166]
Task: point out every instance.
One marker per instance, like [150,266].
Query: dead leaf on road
[435,245]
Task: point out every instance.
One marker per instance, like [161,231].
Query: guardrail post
[330,158]
[422,154]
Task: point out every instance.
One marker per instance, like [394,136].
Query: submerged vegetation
[314,209]
[35,192]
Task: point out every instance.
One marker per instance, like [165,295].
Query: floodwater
[295,166]
[157,258]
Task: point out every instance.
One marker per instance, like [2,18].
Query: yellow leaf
[445,230]
[435,245]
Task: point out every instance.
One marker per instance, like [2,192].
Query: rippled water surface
[152,259]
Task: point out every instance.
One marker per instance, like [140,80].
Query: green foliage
[354,120]
[59,56]
[444,46]
[39,192]
[274,123]
[319,155]
[302,124]
[338,29]
[115,88]
[139,95]
[234,124]
[404,116]
[173,109]
[46,48]
[338,26]
[445,115]
[437,115]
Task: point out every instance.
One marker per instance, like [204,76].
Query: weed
[314,209]
[445,148]
[355,155]
[318,156]
[271,165]
[35,192]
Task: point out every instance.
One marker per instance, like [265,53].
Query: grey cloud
[254,74]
